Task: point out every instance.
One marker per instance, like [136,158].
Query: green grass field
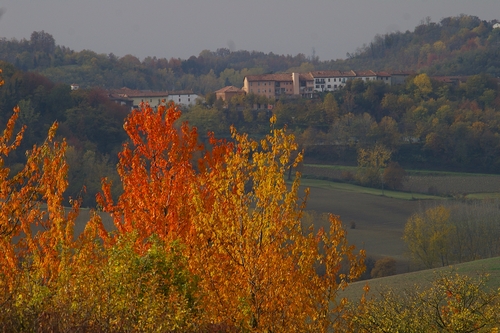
[442,183]
[423,278]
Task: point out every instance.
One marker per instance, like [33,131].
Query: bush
[384,267]
[394,176]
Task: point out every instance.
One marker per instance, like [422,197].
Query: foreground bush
[453,303]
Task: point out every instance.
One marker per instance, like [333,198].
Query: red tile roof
[365,73]
[229,89]
[130,93]
[332,73]
[270,77]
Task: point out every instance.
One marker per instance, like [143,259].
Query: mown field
[449,184]
[380,218]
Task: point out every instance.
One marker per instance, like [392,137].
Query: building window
[329,86]
[258,83]
[250,84]
[179,100]
[189,99]
[317,86]
[335,86]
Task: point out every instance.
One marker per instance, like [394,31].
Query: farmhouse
[182,97]
[308,84]
[133,98]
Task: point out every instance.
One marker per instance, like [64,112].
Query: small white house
[182,97]
[496,26]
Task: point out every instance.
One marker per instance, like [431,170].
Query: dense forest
[424,123]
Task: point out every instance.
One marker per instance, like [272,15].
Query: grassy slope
[407,281]
[450,184]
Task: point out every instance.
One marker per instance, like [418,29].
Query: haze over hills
[463,45]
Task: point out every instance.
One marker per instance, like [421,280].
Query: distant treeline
[462,45]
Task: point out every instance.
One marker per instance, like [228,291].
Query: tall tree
[427,236]
[240,222]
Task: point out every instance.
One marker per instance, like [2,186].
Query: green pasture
[410,172]
[423,278]
[337,186]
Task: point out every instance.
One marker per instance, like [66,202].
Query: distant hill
[463,45]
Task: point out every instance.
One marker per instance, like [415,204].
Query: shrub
[394,176]
[384,267]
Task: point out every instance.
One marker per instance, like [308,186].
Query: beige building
[228,92]
[133,98]
[276,85]
[309,84]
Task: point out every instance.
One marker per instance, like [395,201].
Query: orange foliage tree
[205,240]
[240,223]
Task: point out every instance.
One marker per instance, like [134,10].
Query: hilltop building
[133,98]
[308,84]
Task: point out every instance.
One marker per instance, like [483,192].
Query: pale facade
[182,97]
[331,80]
[134,98]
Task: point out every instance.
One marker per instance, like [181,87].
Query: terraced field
[440,183]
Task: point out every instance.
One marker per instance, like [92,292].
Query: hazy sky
[172,28]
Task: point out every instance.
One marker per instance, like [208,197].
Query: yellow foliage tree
[256,262]
[423,84]
[370,164]
[427,236]
[240,223]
